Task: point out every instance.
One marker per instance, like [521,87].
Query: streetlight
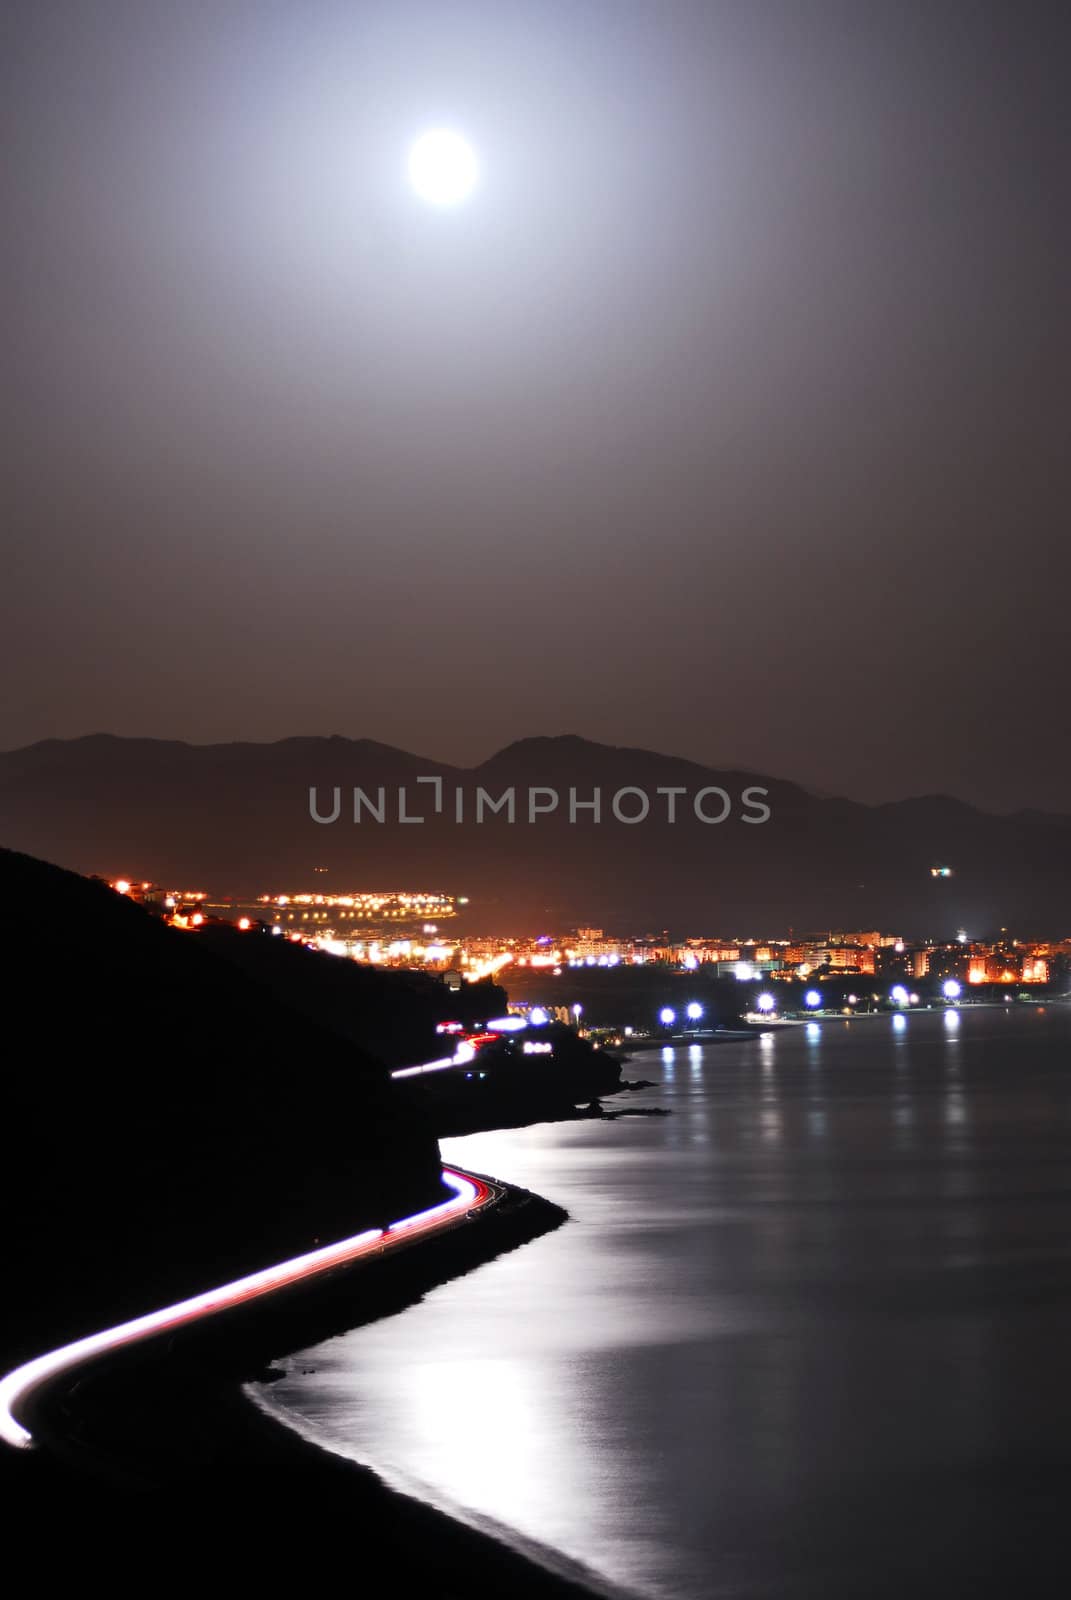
[667,1016]
[951,989]
[694,1011]
[813,999]
[766,1003]
[899,994]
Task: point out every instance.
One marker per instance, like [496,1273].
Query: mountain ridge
[554,743]
[235,818]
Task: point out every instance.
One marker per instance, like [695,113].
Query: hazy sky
[729,417]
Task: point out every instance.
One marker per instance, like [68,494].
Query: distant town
[639,985]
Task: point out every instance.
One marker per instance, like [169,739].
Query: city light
[812,998]
[121,886]
[743,971]
[899,994]
[694,1011]
[667,1016]
[537,1016]
[487,969]
[766,1003]
[951,989]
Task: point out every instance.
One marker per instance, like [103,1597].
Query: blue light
[667,1016]
[695,1011]
[951,989]
[812,998]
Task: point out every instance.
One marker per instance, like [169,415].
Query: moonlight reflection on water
[806,1335]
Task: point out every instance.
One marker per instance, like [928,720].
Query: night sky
[729,416]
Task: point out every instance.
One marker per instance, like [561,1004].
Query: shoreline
[168,1428]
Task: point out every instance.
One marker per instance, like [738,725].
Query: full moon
[442,167]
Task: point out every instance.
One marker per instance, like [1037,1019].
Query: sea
[807,1330]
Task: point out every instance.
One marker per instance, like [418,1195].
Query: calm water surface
[809,1334]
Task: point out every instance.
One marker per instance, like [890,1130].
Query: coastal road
[469,1194]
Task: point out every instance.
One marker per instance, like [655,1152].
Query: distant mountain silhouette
[235,818]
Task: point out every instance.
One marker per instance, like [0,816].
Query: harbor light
[899,994]
[667,1016]
[951,989]
[766,1003]
[812,998]
[694,1011]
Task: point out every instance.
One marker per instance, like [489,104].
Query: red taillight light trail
[17,1386]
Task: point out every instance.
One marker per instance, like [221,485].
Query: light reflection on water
[805,1335]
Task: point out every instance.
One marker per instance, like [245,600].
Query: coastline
[167,1429]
